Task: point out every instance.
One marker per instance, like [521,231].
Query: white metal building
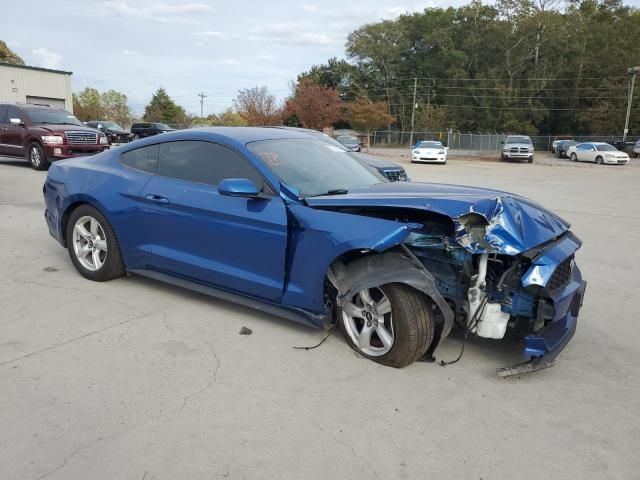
[22,84]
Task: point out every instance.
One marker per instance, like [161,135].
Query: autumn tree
[256,106]
[162,108]
[230,118]
[365,115]
[314,105]
[431,118]
[9,56]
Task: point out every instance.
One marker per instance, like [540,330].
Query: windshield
[348,140]
[54,117]
[429,145]
[111,125]
[518,140]
[606,148]
[314,167]
[162,126]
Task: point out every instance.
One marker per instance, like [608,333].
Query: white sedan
[429,152]
[597,152]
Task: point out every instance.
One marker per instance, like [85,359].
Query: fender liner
[391,267]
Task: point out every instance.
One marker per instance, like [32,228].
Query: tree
[162,108]
[431,118]
[87,105]
[314,105]
[230,118]
[112,105]
[116,108]
[9,56]
[256,106]
[365,115]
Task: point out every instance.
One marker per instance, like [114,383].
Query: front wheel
[598,160]
[391,324]
[37,157]
[92,245]
[574,157]
[530,160]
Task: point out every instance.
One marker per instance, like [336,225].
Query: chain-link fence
[479,141]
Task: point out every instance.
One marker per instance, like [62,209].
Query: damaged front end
[495,281]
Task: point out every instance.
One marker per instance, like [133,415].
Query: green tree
[116,108]
[230,118]
[87,105]
[9,56]
[162,108]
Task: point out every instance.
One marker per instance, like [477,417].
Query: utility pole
[633,71]
[413,111]
[202,97]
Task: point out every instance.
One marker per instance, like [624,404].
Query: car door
[589,154]
[13,133]
[3,125]
[230,242]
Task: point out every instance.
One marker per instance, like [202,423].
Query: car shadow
[16,162]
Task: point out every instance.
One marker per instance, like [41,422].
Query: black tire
[574,157]
[502,159]
[413,326]
[36,157]
[598,160]
[113,267]
[530,160]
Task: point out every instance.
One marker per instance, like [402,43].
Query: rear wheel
[37,157]
[92,245]
[391,324]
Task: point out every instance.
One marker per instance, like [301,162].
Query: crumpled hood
[484,219]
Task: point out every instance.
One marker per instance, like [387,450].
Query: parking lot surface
[134,379]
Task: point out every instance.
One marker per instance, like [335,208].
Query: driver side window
[204,162]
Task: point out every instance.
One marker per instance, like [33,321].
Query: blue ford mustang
[287,223]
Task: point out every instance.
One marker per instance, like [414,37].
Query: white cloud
[158,12]
[126,51]
[290,34]
[311,8]
[228,61]
[46,58]
[210,34]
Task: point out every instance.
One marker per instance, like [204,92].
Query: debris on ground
[245,331]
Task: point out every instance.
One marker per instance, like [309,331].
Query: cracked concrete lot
[133,379]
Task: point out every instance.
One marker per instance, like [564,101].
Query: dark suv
[114,132]
[42,134]
[147,129]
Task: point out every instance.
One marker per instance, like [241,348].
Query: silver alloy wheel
[89,243]
[34,156]
[368,321]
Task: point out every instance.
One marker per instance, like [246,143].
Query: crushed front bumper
[543,346]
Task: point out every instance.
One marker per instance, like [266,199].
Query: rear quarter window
[144,158]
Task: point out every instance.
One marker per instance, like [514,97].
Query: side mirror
[446,148]
[16,121]
[240,187]
[502,142]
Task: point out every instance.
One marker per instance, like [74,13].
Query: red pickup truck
[42,134]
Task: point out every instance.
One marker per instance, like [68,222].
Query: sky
[187,47]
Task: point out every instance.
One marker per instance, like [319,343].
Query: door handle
[157,199]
